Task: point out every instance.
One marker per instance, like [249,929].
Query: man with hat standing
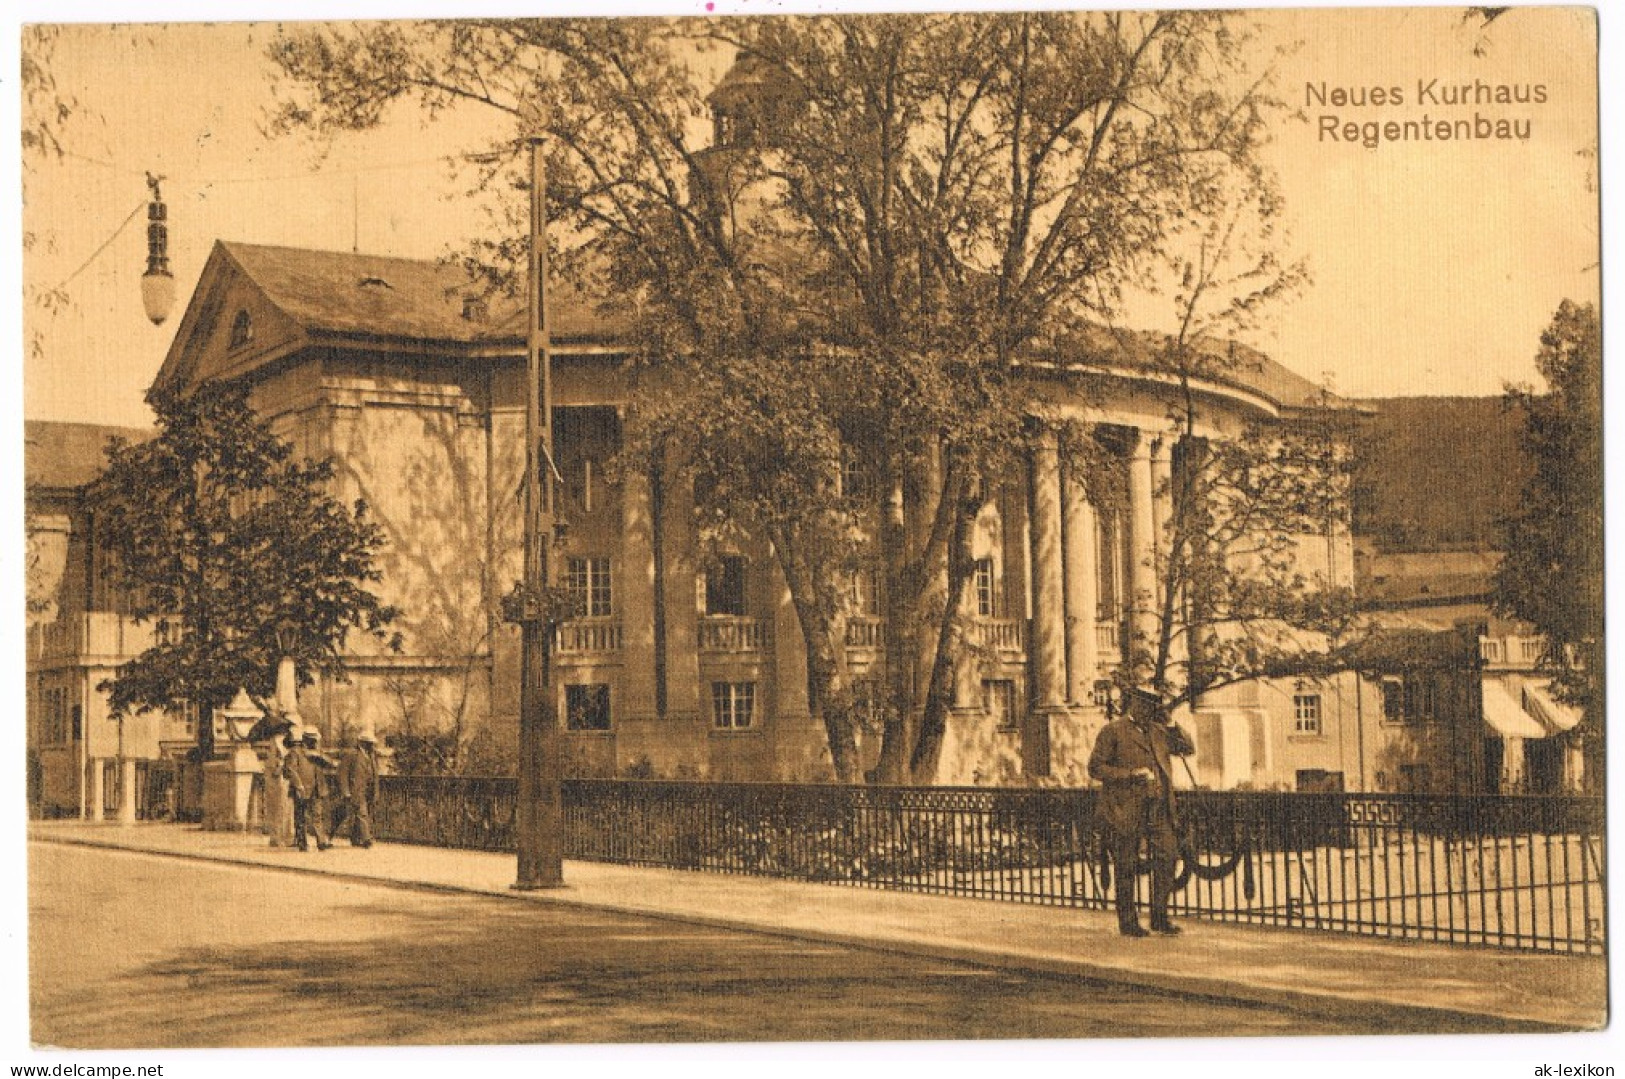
[1131,760]
[304,784]
[321,797]
[358,786]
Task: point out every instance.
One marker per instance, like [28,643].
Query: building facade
[81,761]
[687,658]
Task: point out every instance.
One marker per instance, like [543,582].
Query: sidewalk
[1450,987]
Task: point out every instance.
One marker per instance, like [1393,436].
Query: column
[1142,546]
[98,793]
[1049,600]
[799,744]
[789,653]
[1162,492]
[1511,779]
[1082,585]
[126,792]
[678,545]
[635,598]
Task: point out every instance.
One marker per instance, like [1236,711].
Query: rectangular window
[585,438]
[999,699]
[588,582]
[1319,781]
[56,717]
[725,586]
[1106,563]
[583,488]
[733,705]
[866,592]
[983,583]
[586,707]
[1419,701]
[1306,713]
[1393,701]
[868,704]
[1407,700]
[854,477]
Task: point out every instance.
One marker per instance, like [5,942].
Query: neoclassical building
[688,659]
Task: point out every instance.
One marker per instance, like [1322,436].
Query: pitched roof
[1232,362]
[67,455]
[346,293]
[381,296]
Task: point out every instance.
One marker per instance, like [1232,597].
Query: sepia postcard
[1075,533]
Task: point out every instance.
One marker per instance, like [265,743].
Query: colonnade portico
[1070,550]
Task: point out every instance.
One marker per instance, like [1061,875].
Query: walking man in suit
[303,784]
[1131,760]
[358,787]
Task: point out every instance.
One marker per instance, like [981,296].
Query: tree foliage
[1551,573]
[1235,598]
[842,251]
[48,108]
[234,551]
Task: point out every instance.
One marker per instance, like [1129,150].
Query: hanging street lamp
[157,284]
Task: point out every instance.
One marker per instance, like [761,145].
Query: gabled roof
[342,292]
[67,455]
[349,295]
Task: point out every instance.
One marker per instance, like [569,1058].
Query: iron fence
[447,811]
[1519,872]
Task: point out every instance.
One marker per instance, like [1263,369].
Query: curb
[1401,1018]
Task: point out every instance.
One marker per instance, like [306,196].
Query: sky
[1434,265]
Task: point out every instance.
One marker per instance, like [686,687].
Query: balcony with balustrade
[1511,653]
[1003,637]
[866,633]
[88,637]
[588,638]
[734,634]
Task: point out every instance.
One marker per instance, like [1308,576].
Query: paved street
[131,950]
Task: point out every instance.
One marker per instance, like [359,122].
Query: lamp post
[539,815]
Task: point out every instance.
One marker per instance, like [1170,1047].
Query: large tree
[1243,590]
[848,260]
[1551,573]
[233,549]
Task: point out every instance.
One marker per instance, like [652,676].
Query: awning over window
[1539,702]
[1505,714]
